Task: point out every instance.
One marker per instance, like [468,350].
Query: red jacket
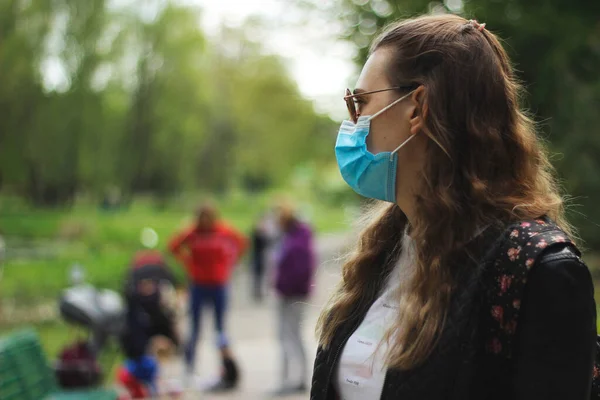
[209,256]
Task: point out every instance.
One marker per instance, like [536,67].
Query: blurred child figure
[293,276]
[139,377]
[209,250]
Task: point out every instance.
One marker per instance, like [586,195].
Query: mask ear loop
[387,108]
[401,146]
[390,106]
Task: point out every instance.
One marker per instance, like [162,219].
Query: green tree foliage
[556,49]
[144,101]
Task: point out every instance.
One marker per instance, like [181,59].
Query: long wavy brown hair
[485,165]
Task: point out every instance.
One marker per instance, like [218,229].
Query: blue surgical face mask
[370,175]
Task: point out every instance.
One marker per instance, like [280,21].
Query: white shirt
[361,367]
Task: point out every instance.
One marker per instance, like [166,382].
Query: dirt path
[253,332]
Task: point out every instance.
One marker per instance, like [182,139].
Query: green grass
[103,242]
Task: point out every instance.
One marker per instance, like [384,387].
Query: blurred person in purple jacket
[293,277]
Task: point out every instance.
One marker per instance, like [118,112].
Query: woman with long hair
[465,283]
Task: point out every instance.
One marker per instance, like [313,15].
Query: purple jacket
[295,262]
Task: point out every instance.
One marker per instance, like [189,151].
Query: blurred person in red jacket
[209,250]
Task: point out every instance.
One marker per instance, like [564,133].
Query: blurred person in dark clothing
[262,238]
[209,250]
[150,297]
[293,277]
[149,294]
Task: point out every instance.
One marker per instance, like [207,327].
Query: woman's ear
[419,113]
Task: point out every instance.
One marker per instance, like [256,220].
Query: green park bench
[26,375]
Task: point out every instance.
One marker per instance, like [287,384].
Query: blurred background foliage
[150,105]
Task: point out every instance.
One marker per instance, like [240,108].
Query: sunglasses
[350,102]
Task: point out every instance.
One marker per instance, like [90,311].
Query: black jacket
[554,349]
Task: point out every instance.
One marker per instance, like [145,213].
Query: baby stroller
[102,313]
